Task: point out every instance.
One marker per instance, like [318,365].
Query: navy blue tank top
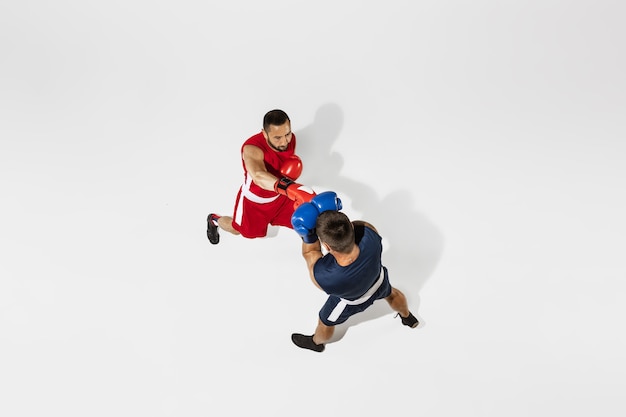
[352,281]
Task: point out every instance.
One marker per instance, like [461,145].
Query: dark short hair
[335,229]
[275,117]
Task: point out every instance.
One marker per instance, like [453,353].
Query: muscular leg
[226,223]
[323,333]
[397,301]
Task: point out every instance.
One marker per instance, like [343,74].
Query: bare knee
[226,224]
[395,294]
[397,301]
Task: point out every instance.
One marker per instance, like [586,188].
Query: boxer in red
[269,193]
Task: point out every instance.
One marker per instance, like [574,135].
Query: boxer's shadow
[320,165]
[412,244]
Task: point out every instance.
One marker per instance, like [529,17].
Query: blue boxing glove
[327,200]
[304,218]
[303,222]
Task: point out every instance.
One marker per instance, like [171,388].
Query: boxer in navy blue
[351,271]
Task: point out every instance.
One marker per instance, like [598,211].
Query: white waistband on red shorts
[245,191]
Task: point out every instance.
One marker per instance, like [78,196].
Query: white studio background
[486,140]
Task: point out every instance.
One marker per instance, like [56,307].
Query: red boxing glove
[292,190]
[292,167]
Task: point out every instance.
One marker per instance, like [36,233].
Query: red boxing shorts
[253,214]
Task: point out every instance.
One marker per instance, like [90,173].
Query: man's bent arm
[312,252]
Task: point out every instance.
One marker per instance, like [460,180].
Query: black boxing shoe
[306,342]
[211,230]
[409,320]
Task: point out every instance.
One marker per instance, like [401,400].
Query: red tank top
[273,160]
